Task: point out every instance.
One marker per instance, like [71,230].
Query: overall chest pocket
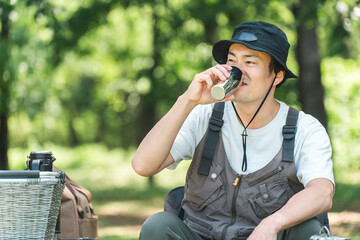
[270,193]
[202,190]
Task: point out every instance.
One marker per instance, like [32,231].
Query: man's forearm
[315,199]
[153,152]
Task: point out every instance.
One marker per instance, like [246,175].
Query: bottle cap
[218,92]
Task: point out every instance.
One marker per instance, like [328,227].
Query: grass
[123,200]
[347,197]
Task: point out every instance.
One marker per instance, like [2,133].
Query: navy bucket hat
[259,36]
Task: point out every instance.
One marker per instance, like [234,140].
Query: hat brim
[221,48]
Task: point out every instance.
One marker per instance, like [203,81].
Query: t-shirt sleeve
[190,134]
[313,154]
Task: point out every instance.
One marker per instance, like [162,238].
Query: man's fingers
[205,78]
[219,72]
[225,69]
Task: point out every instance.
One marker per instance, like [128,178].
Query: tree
[113,68]
[6,79]
[78,24]
[309,59]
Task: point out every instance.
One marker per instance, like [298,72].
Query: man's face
[255,68]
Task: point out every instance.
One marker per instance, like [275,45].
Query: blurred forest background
[87,79]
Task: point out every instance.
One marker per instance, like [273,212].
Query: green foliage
[341,79]
[27,54]
[346,197]
[100,168]
[80,73]
[83,72]
[339,28]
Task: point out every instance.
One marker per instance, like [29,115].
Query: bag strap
[215,124]
[76,189]
[288,132]
[80,210]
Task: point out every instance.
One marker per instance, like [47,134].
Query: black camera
[40,160]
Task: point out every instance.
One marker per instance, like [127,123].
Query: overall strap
[215,125]
[288,132]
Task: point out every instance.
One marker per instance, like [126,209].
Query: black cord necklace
[244,133]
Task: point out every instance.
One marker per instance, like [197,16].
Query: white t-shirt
[312,144]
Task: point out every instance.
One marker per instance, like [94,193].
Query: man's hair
[275,66]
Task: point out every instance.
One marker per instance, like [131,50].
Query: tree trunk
[146,122]
[147,114]
[73,139]
[4,87]
[210,32]
[4,143]
[309,59]
[101,126]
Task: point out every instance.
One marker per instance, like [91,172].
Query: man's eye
[250,62]
[231,60]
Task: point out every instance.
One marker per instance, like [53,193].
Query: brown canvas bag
[77,217]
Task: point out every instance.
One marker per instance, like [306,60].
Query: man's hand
[315,199]
[153,154]
[199,89]
[264,231]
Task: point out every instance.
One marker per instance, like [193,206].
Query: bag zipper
[266,176]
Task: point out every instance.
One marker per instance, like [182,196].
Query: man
[250,191]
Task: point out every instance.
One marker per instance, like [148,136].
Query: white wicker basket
[29,204]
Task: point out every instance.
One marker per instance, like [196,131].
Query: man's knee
[303,230]
[154,227]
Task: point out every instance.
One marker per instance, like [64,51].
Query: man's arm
[153,154]
[315,199]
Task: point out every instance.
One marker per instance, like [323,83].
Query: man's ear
[279,77]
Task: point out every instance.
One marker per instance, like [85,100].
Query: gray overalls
[216,208]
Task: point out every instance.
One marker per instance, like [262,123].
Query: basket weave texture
[29,210]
